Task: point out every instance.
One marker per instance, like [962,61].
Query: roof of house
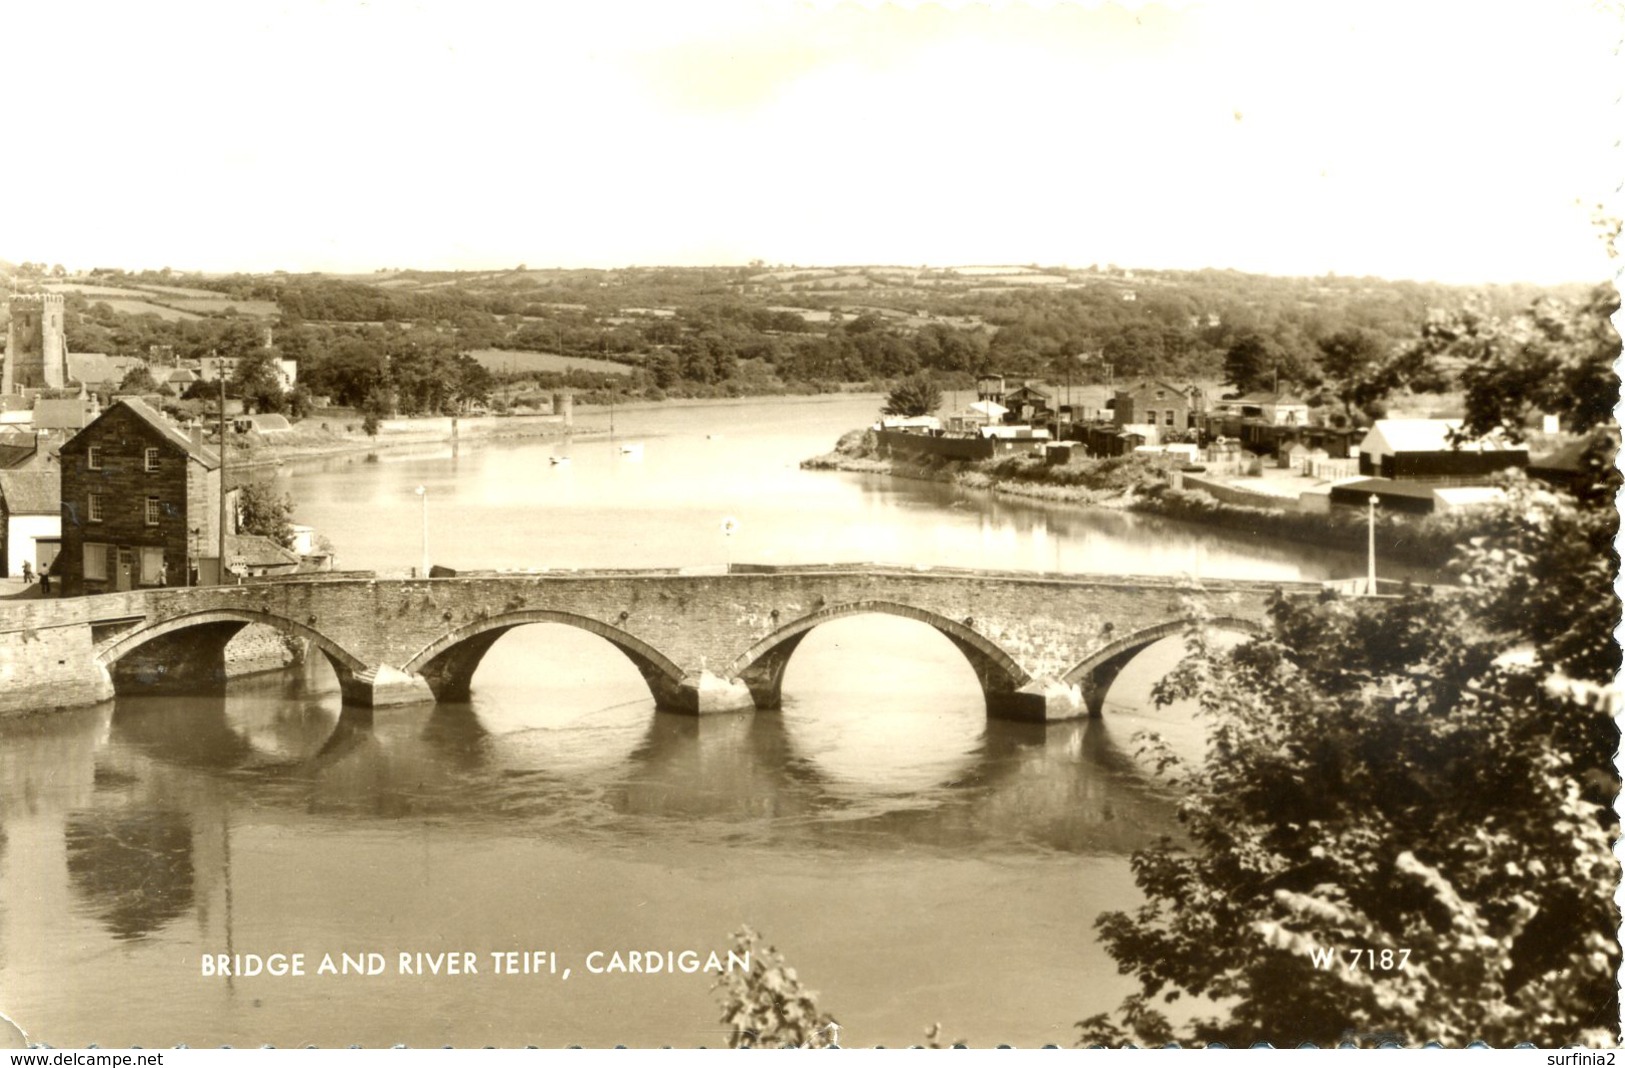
[143,411]
[181,374]
[1567,460]
[1426,435]
[269,422]
[63,413]
[32,492]
[1386,487]
[1268,398]
[13,454]
[1040,388]
[991,409]
[1466,496]
[1156,383]
[98,367]
[255,550]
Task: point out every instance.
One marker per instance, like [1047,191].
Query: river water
[914,862]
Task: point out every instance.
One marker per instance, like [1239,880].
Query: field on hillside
[175,291]
[90,292]
[140,307]
[253,309]
[178,302]
[508,360]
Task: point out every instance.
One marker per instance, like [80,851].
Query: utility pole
[220,566]
[1371,552]
[423,494]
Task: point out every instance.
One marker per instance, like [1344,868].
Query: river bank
[337,432]
[1145,484]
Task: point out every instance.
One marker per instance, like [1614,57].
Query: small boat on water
[632,448]
[557,460]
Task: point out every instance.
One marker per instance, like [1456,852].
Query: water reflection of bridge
[146,831]
[1069,787]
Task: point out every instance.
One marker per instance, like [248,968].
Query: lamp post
[1371,553]
[423,495]
[729,526]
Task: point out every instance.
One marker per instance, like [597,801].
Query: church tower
[36,344]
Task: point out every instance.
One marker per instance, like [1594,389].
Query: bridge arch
[187,652]
[761,667]
[448,663]
[1096,673]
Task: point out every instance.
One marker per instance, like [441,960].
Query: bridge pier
[1039,701]
[1094,682]
[704,693]
[381,686]
[765,676]
[450,676]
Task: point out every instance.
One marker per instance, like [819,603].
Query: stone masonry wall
[124,485]
[699,621]
[48,667]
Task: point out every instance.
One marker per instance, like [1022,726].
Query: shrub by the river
[1130,473]
[767,1007]
[1426,540]
[1397,832]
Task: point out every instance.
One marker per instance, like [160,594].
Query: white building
[31,511]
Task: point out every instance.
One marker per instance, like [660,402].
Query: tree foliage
[1353,360]
[138,379]
[262,510]
[1428,779]
[375,408]
[1256,362]
[913,396]
[767,1007]
[257,379]
[1554,357]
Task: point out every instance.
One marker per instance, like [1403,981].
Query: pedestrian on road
[28,573]
[45,579]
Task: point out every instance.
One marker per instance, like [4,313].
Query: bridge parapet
[703,641]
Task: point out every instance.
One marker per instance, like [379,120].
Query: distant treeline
[741,330]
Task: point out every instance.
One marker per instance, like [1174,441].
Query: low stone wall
[43,668]
[1228,494]
[899,443]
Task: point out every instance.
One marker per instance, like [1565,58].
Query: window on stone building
[95,561]
[150,460]
[155,510]
[152,567]
[95,510]
[1168,420]
[93,457]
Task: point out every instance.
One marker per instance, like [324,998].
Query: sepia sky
[1462,142]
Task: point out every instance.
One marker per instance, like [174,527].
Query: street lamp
[423,494]
[1371,553]
[729,526]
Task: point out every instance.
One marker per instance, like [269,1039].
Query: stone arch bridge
[1043,646]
